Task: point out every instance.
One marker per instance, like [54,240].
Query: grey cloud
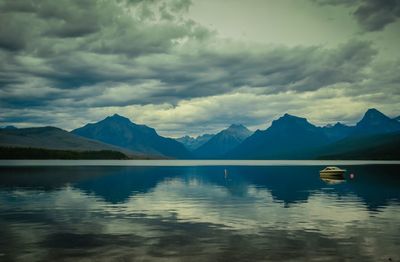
[372,15]
[277,70]
[381,85]
[14,31]
[203,73]
[140,39]
[376,14]
[337,2]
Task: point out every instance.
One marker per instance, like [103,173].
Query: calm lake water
[282,211]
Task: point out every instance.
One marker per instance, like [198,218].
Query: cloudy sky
[189,67]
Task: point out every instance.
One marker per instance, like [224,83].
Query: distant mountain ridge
[377,146]
[223,142]
[337,131]
[120,131]
[192,143]
[8,127]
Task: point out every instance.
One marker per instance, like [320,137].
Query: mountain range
[291,137]
[375,136]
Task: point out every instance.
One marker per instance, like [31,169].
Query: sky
[197,66]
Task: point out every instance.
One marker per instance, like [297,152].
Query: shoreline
[170,162]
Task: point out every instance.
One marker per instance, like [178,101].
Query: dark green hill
[40,153]
[52,138]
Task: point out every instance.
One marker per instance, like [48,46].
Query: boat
[332,171]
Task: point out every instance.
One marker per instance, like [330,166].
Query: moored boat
[331,171]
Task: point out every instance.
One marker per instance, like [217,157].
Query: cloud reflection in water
[197,213]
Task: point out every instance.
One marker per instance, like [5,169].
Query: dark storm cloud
[183,76]
[277,70]
[25,22]
[376,14]
[51,49]
[208,73]
[38,30]
[372,15]
[14,34]
[118,25]
[65,51]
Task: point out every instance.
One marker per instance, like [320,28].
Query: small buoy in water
[351,176]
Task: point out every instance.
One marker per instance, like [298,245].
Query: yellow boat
[332,171]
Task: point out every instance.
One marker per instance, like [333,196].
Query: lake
[198,211]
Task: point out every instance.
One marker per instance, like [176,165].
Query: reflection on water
[333,180]
[227,213]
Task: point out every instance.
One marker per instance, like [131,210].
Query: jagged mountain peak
[192,143]
[375,122]
[117,117]
[373,110]
[236,130]
[290,118]
[338,124]
[224,141]
[121,131]
[124,122]
[285,137]
[373,113]
[374,117]
[235,126]
[288,121]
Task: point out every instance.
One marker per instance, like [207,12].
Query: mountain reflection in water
[198,213]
